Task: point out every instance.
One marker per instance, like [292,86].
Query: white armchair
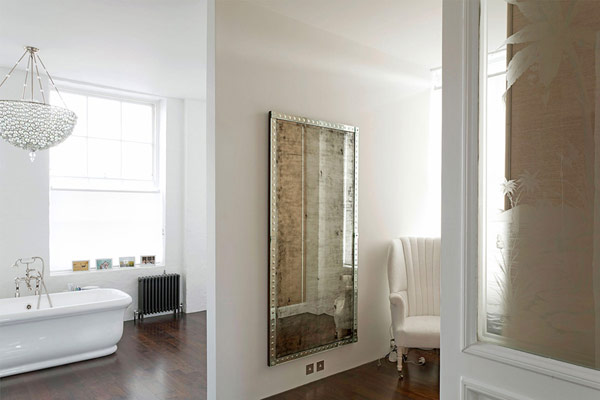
[414,279]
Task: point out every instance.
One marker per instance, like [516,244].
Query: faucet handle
[25,261]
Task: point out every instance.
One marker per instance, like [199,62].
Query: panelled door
[520,303]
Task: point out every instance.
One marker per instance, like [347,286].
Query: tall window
[105,187]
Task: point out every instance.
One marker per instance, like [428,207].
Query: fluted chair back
[414,267]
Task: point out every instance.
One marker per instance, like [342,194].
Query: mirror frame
[273,225]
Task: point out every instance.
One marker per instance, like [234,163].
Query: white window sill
[137,267]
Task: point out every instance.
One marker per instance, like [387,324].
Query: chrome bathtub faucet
[32,275]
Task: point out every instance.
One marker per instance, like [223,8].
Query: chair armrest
[399,306]
[398,298]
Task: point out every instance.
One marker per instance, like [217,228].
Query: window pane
[104,118]
[129,125]
[104,158]
[91,225]
[137,122]
[69,158]
[137,161]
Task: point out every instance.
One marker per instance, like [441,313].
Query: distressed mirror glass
[313,236]
[539,187]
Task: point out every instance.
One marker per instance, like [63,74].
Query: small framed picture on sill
[148,260]
[81,265]
[104,263]
[126,262]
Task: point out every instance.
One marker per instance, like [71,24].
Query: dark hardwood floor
[165,358]
[370,382]
[160,358]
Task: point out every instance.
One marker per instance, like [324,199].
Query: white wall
[211,286]
[265,61]
[24,210]
[195,205]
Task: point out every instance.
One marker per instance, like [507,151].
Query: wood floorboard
[160,358]
[373,382]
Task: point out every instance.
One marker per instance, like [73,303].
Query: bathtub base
[82,325]
[58,361]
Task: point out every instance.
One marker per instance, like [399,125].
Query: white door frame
[468,367]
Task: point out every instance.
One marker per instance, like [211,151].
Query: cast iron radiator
[157,294]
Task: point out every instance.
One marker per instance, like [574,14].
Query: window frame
[159,152]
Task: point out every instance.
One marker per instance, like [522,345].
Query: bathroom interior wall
[267,61]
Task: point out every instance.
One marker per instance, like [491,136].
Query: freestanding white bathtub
[81,325]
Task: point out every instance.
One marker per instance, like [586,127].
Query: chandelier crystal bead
[35,126]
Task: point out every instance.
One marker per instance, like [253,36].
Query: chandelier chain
[26,78]
[39,79]
[32,64]
[51,80]
[32,83]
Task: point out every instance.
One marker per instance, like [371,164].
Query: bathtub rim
[121,300]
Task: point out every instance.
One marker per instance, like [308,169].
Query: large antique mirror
[313,252]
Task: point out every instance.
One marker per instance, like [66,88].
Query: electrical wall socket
[320,365]
[310,368]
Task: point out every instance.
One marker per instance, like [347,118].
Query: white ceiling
[409,30]
[159,46]
[151,46]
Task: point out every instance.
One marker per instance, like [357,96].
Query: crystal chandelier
[28,123]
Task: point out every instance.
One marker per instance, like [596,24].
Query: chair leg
[400,373]
[403,351]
